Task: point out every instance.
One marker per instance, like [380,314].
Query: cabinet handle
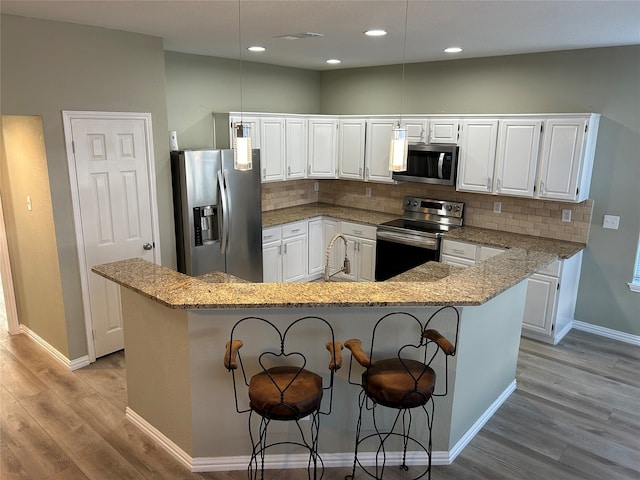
[295,230]
[541,187]
[264,173]
[357,232]
[360,171]
[459,252]
[285,249]
[267,237]
[279,249]
[289,171]
[488,183]
[499,185]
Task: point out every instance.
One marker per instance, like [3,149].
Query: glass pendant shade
[399,148]
[242,153]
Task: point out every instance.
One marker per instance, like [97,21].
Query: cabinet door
[316,250]
[561,159]
[416,130]
[254,124]
[294,259]
[351,149]
[456,261]
[366,260]
[322,148]
[352,254]
[488,252]
[272,149]
[540,304]
[517,157]
[329,230]
[272,262]
[378,151]
[296,147]
[478,139]
[443,130]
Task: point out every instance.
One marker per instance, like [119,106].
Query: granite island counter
[176,326]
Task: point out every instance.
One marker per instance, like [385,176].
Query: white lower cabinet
[272,255]
[361,250]
[316,247]
[551,291]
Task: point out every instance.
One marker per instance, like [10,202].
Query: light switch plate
[611,222]
[566,215]
[367,191]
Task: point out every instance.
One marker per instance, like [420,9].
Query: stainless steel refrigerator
[218,214]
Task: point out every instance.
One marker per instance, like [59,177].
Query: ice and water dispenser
[205,224]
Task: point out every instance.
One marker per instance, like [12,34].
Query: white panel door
[272,149]
[517,157]
[351,149]
[296,151]
[378,150]
[113,182]
[294,259]
[478,141]
[561,159]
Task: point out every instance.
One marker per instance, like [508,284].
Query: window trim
[634,285]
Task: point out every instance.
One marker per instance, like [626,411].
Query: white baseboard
[607,332]
[477,426]
[59,357]
[225,464]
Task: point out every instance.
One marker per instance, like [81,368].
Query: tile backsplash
[519,215]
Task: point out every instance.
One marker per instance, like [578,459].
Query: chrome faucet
[346,266]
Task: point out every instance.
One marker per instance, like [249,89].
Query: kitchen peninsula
[176,327]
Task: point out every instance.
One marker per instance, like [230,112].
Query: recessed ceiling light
[453,50]
[256,48]
[376,32]
[333,61]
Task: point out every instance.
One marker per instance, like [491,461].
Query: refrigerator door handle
[223,213]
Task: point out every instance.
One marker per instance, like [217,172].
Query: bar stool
[280,385]
[402,379]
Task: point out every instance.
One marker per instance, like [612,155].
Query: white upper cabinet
[417,130]
[566,161]
[443,130]
[517,157]
[272,149]
[323,147]
[477,155]
[296,148]
[378,151]
[351,148]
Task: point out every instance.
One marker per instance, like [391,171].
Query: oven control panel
[415,207]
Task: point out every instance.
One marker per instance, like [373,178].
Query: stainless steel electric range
[405,243]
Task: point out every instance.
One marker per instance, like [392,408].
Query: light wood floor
[574,416]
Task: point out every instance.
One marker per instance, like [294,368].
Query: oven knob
[415,203]
[456,208]
[407,203]
[448,207]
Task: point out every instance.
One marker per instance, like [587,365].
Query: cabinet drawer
[488,252]
[553,269]
[294,229]
[271,234]
[459,249]
[358,230]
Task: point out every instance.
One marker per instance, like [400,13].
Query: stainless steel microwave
[430,163]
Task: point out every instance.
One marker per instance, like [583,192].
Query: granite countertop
[472,286]
[429,284]
[303,212]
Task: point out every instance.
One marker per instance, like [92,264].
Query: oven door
[396,253]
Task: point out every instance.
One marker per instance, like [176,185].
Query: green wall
[605,80]
[48,67]
[198,85]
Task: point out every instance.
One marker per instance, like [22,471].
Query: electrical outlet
[566,215]
[497,207]
[367,192]
[315,186]
[611,222]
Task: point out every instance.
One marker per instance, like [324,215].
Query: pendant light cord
[404,56]
[240,56]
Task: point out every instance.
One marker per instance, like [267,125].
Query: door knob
[147,246]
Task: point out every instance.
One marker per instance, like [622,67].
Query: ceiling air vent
[298,36]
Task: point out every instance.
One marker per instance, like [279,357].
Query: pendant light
[242,152]
[399,140]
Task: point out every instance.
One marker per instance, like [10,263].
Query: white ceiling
[481,27]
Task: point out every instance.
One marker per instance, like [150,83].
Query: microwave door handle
[440,162]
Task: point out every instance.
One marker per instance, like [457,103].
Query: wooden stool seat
[285,393]
[397,383]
